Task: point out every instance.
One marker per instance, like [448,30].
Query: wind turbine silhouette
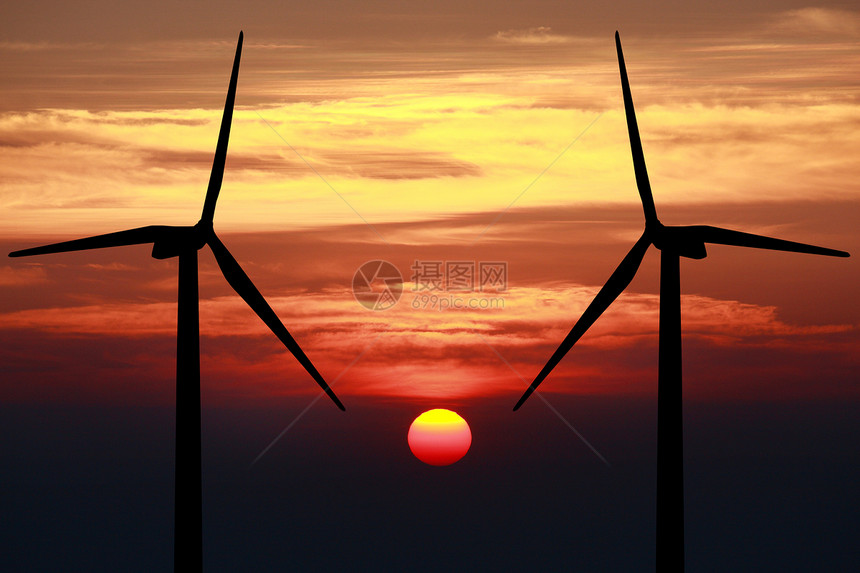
[673,242]
[184,242]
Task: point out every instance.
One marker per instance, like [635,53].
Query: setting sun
[439,437]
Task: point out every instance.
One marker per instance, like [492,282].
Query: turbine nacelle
[682,241]
[173,241]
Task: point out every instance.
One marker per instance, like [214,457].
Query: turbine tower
[673,242]
[184,242]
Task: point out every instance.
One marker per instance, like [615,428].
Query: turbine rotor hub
[178,240]
[683,241]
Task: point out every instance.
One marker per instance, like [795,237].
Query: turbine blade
[246,289]
[642,182]
[607,295]
[217,174]
[719,236]
[137,236]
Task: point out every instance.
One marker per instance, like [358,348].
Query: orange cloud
[22,276]
[425,352]
[536,35]
[816,21]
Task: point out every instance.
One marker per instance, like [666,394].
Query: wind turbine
[184,242]
[673,242]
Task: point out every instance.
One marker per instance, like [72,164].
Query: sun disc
[439,437]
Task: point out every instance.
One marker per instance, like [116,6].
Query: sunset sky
[430,131]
